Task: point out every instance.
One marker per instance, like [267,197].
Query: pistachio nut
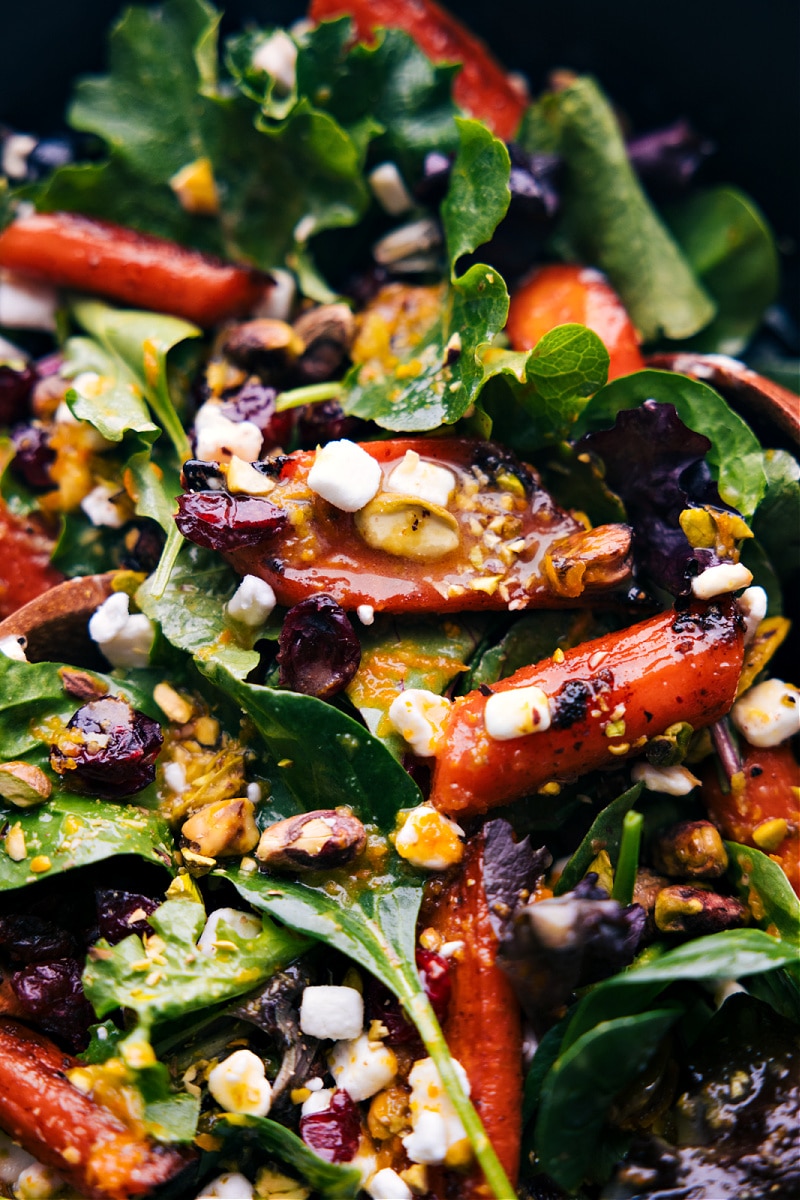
[408,527]
[312,841]
[221,829]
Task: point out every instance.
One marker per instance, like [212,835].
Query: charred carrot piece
[69,1131]
[604,698]
[565,294]
[762,806]
[483,1026]
[137,269]
[482,88]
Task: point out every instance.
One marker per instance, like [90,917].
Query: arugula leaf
[605,833]
[325,757]
[169,976]
[74,832]
[735,458]
[331,1181]
[442,376]
[552,383]
[581,1086]
[730,247]
[398,654]
[610,221]
[191,611]
[763,886]
[113,404]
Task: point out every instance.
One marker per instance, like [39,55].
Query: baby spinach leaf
[74,832]
[735,458]
[110,401]
[169,976]
[776,523]
[779,989]
[532,637]
[552,383]
[325,758]
[85,549]
[191,611]
[580,1088]
[763,886]
[605,833]
[397,654]
[331,1181]
[730,247]
[612,224]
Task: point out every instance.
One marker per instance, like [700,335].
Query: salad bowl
[398,515]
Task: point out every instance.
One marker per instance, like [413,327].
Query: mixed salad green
[143,924]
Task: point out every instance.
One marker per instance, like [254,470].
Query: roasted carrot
[565,294]
[482,88]
[138,269]
[605,699]
[762,806]
[67,1130]
[483,1024]
[501,541]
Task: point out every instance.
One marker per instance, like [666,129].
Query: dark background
[732,66]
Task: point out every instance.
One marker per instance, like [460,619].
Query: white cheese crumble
[231,1186]
[386,1184]
[517,712]
[175,777]
[13,1159]
[16,149]
[245,925]
[319,1101]
[362,1067]
[389,189]
[26,304]
[345,475]
[218,439]
[717,581]
[278,298]
[252,602]
[422,480]
[102,506]
[670,781]
[366,614]
[124,638]
[436,1128]
[14,647]
[753,607]
[332,1012]
[238,1084]
[430,840]
[419,717]
[278,57]
[769,713]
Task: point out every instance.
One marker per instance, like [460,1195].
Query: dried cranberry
[52,995]
[27,938]
[219,521]
[335,1133]
[256,403]
[15,390]
[143,547]
[33,457]
[435,975]
[122,913]
[326,422]
[119,761]
[318,651]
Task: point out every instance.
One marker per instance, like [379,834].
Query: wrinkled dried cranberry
[33,456]
[15,390]
[326,422]
[27,938]
[335,1133]
[318,650]
[52,995]
[119,761]
[256,403]
[143,547]
[220,521]
[122,913]
[197,475]
[435,975]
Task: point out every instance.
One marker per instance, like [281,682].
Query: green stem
[628,861]
[166,563]
[428,1027]
[314,393]
[164,409]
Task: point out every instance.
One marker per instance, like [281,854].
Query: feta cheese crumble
[231,1186]
[361,1067]
[436,1129]
[422,480]
[753,607]
[14,647]
[125,638]
[239,1085]
[430,840]
[386,1184]
[345,475]
[719,580]
[332,1012]
[670,781]
[103,506]
[769,713]
[218,438]
[252,602]
[516,712]
[419,716]
[245,925]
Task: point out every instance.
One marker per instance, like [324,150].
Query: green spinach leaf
[331,1181]
[763,886]
[776,523]
[605,833]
